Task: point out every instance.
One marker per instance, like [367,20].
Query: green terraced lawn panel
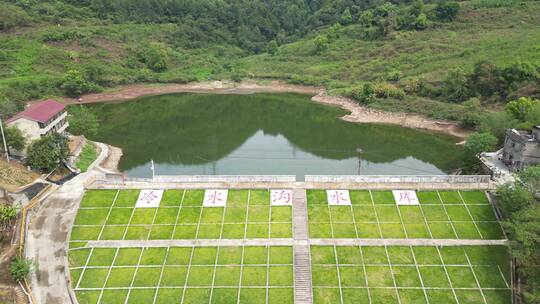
[352,276]
[193,198]
[127,198]
[237,198]
[119,216]
[316,197]
[227,276]
[141,296]
[77,258]
[153,256]
[360,197]
[114,296]
[383,197]
[379,276]
[324,275]
[172,198]
[120,277]
[102,257]
[474,197]
[98,198]
[428,197]
[259,197]
[166,296]
[174,276]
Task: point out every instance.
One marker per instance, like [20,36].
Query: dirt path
[359,113]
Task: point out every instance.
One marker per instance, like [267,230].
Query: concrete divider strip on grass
[291,242]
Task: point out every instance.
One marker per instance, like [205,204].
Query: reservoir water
[263,134]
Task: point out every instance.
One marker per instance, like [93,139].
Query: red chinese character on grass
[149,197]
[281,197]
[406,196]
[338,197]
[215,197]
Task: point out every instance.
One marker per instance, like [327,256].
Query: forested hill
[462,61]
[250,24]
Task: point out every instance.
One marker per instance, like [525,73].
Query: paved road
[47,236]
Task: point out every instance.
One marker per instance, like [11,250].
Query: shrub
[12,16]
[414,85]
[20,268]
[446,10]
[394,75]
[386,90]
[364,94]
[7,214]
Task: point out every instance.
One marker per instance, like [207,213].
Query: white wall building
[40,119]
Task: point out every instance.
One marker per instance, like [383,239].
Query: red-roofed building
[40,119]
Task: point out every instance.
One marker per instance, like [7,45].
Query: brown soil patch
[14,175]
[113,158]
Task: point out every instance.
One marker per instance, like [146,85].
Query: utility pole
[153,169]
[360,151]
[4,140]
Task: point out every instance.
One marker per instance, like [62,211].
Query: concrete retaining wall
[464,182]
[397,178]
[225,178]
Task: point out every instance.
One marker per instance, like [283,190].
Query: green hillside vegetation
[445,60]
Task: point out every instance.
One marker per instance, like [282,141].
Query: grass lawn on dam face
[265,274]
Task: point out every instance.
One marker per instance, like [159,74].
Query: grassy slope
[87,157]
[501,35]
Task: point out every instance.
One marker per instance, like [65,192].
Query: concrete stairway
[300,217]
[302,259]
[302,275]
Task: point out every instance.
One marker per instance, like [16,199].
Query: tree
[74,84]
[486,80]
[47,152]
[455,86]
[496,123]
[520,108]
[520,206]
[533,118]
[477,143]
[14,139]
[321,43]
[446,10]
[421,22]
[512,198]
[82,121]
[20,268]
[272,47]
[346,17]
[530,178]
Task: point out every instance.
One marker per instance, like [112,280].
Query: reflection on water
[263,134]
[270,154]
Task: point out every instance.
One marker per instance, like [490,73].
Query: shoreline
[358,113]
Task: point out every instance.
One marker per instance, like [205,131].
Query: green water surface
[263,134]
